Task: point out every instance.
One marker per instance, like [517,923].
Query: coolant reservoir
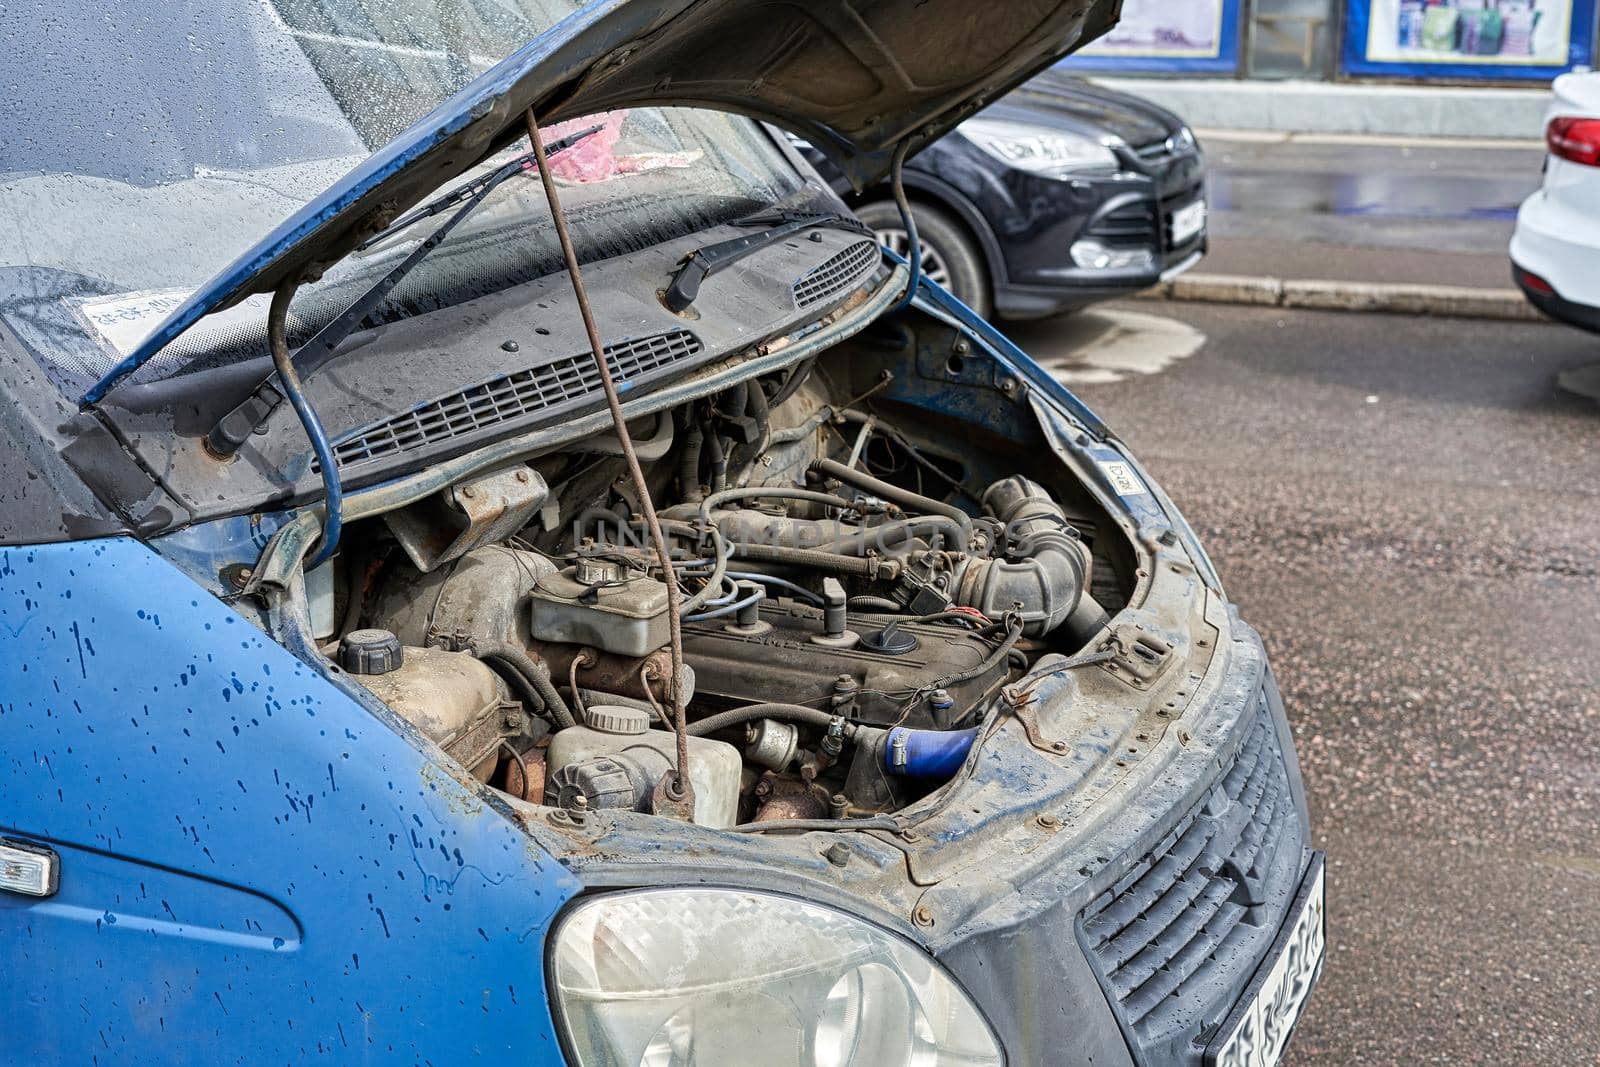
[616,760]
[451,697]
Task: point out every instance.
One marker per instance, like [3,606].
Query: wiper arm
[235,428]
[702,263]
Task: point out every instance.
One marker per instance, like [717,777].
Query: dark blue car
[1059,195]
[498,565]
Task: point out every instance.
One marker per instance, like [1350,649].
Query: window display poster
[1496,39]
[1158,35]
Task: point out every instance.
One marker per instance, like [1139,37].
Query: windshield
[148,143]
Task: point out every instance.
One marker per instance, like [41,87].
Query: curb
[1454,301]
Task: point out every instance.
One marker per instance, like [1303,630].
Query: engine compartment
[858,584]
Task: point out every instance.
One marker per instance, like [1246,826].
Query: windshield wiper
[235,428]
[702,263]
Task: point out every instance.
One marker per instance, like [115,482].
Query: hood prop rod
[675,787]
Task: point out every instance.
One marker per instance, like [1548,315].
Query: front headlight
[1037,149]
[712,977]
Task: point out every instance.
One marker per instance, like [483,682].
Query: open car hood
[856,78]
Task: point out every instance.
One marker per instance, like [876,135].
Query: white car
[1555,251]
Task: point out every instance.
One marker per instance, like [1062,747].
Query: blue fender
[255,868]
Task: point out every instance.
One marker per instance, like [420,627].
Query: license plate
[1257,1032]
[1188,221]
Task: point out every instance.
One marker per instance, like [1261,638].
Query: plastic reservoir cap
[370,652]
[616,719]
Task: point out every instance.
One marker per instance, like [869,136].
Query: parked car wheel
[949,255]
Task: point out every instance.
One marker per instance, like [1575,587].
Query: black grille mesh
[1132,225]
[544,389]
[842,270]
[1182,931]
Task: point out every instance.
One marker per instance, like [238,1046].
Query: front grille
[546,389]
[1130,225]
[841,271]
[1178,937]
[1155,150]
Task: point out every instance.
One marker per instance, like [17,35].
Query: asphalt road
[1441,213]
[1409,511]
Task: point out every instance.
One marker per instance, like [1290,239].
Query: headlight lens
[708,977]
[1051,153]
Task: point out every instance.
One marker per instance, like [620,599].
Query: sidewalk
[1417,226]
[1475,112]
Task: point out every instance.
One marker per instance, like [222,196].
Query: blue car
[498,565]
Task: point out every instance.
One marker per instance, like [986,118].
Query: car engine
[850,608]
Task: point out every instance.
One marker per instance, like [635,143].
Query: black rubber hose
[796,378]
[719,458]
[536,683]
[689,462]
[913,503]
[786,712]
[755,406]
[812,559]
[908,220]
[734,398]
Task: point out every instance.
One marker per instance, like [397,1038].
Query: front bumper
[1132,211]
[1187,908]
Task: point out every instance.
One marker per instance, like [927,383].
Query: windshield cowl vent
[841,272]
[549,389]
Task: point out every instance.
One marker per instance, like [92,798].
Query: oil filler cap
[616,719]
[369,652]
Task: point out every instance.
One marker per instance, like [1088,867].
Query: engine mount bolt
[837,854]
[838,805]
[923,915]
[764,788]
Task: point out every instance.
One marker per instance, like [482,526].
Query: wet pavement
[1440,214]
[1409,511]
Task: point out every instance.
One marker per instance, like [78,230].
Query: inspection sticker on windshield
[122,321]
[1122,479]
